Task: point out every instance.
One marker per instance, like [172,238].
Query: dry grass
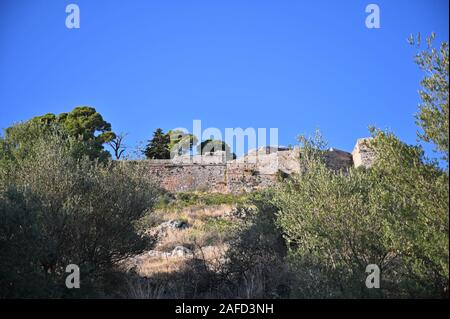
[157,265]
[206,236]
[210,271]
[211,256]
[199,233]
[192,214]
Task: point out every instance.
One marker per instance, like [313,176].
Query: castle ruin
[258,169]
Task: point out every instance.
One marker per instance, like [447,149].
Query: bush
[68,210]
[182,200]
[394,214]
[314,234]
[256,264]
[20,270]
[219,225]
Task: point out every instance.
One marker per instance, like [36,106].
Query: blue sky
[294,65]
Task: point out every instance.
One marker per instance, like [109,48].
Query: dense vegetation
[176,142]
[334,224]
[83,123]
[159,146]
[59,207]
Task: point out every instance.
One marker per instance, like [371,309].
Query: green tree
[433,113]
[181,142]
[257,251]
[56,210]
[158,146]
[211,146]
[394,214]
[20,268]
[413,194]
[84,124]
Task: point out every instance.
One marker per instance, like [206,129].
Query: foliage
[211,146]
[219,225]
[181,200]
[181,142]
[433,113]
[394,214]
[256,264]
[84,124]
[20,269]
[57,210]
[158,146]
[413,193]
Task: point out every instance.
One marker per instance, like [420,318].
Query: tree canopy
[83,123]
[158,146]
[211,146]
[181,142]
[433,115]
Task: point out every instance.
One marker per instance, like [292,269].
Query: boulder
[173,224]
[181,251]
[362,154]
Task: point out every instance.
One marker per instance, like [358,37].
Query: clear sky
[293,65]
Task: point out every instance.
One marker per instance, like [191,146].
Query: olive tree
[394,215]
[433,113]
[80,211]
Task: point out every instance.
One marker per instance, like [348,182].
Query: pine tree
[158,146]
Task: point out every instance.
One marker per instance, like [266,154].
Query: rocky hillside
[186,227]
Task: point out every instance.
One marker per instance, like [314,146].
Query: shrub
[181,200]
[394,214]
[256,264]
[80,211]
[20,270]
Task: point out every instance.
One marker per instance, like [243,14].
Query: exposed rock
[173,224]
[362,154]
[337,159]
[181,251]
[138,261]
[160,254]
[162,229]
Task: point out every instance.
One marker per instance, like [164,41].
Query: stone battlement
[257,170]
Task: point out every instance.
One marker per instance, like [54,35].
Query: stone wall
[218,157]
[246,177]
[362,154]
[257,170]
[188,177]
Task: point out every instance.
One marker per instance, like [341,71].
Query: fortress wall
[224,178]
[337,160]
[362,154]
[246,177]
[189,177]
[243,175]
